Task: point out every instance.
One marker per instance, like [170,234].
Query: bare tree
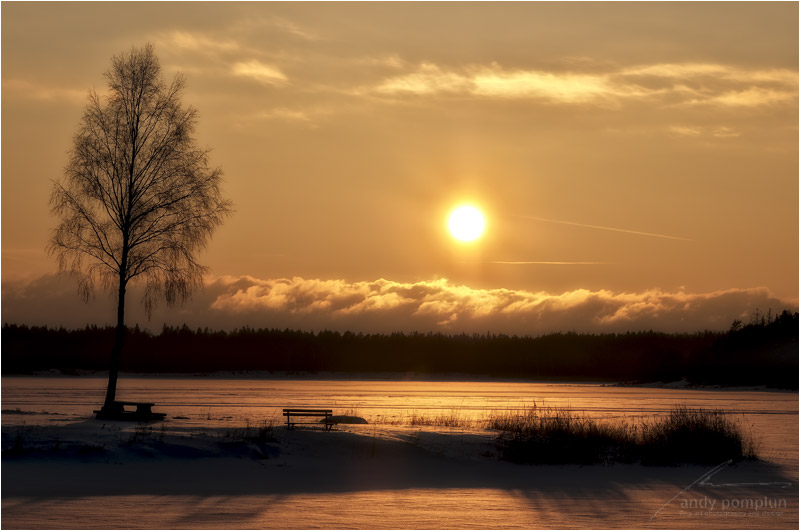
[138,198]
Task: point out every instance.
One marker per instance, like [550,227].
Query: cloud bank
[385,306]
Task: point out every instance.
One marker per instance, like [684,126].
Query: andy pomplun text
[736,507]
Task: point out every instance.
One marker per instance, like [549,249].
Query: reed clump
[699,436]
[548,435]
[452,419]
[262,432]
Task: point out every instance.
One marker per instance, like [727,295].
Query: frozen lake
[333,480]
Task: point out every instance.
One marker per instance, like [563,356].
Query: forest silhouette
[762,352]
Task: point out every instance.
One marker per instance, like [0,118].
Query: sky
[636,163]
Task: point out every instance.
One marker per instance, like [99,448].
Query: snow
[198,471]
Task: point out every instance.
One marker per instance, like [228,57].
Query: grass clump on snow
[448,420]
[452,419]
[695,436]
[560,436]
[263,432]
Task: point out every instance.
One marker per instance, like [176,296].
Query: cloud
[194,42]
[694,131]
[719,85]
[22,88]
[495,82]
[690,84]
[263,73]
[682,130]
[292,28]
[284,114]
[309,115]
[384,306]
[428,79]
[685,71]
[391,61]
[725,132]
[751,97]
[563,87]
[719,132]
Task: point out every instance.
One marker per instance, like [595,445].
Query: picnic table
[116,411]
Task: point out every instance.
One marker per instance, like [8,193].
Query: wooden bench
[326,414]
[116,411]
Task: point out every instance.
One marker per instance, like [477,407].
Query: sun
[466,223]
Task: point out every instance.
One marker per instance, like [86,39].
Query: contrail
[549,263]
[639,233]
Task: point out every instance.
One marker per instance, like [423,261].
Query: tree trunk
[116,351]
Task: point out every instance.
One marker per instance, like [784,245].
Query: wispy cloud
[306,116]
[428,79]
[295,29]
[285,114]
[263,73]
[719,84]
[686,71]
[195,42]
[562,87]
[725,132]
[683,130]
[703,131]
[690,83]
[750,97]
[392,61]
[495,82]
[26,89]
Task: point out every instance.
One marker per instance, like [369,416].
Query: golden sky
[637,163]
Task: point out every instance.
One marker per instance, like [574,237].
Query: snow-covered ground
[198,470]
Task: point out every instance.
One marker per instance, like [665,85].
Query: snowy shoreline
[62,464]
[224,458]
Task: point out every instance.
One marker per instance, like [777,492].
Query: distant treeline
[763,352]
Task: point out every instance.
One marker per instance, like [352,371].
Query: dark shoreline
[755,355]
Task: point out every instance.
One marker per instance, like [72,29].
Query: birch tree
[138,198]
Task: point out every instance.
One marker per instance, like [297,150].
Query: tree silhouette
[138,198]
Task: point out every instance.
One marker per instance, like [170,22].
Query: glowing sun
[466,223]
